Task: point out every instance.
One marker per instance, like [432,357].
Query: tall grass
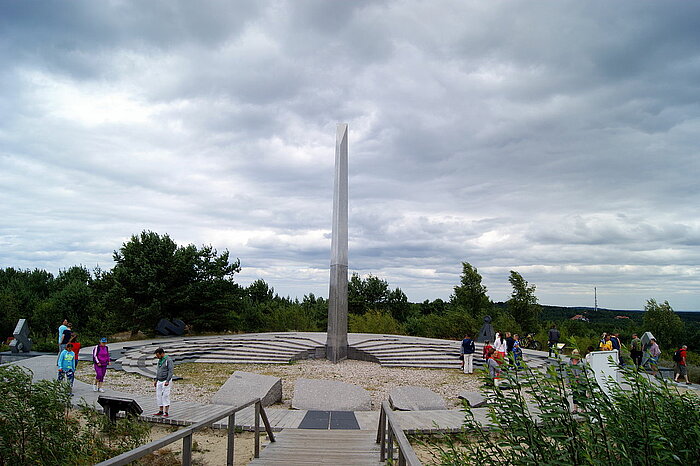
[642,421]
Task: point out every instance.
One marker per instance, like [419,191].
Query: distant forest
[155,278]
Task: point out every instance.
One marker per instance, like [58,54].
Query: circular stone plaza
[337,406]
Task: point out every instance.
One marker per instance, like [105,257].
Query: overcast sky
[556,138]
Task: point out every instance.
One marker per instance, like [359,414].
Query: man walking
[164,376]
[67,333]
[553,339]
[62,328]
[510,341]
[636,350]
[681,365]
[467,350]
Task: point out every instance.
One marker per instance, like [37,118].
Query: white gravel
[201,380]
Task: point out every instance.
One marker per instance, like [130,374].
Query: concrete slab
[475,399]
[42,367]
[244,386]
[411,398]
[330,395]
[8,356]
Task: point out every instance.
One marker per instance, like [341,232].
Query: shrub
[45,345]
[290,318]
[531,423]
[504,322]
[451,325]
[375,321]
[37,426]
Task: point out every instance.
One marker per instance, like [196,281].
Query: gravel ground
[201,380]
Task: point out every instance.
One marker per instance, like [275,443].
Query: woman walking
[500,346]
[100,359]
[653,360]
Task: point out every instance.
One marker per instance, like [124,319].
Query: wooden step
[312,446]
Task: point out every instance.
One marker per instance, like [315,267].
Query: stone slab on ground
[475,399]
[8,356]
[244,386]
[411,398]
[330,395]
[42,367]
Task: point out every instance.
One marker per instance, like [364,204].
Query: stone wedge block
[475,399]
[330,395]
[244,386]
[410,398]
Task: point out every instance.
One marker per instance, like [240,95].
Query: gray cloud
[556,139]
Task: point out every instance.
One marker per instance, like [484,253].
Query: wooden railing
[389,432]
[186,436]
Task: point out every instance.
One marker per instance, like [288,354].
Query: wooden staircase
[314,446]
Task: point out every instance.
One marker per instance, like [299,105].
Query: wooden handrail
[186,436]
[389,432]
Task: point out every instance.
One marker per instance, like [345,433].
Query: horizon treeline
[154,278]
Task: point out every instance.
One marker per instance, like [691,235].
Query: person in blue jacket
[66,365]
[62,328]
[467,350]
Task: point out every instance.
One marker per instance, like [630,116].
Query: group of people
[69,349]
[646,355]
[505,347]
[68,354]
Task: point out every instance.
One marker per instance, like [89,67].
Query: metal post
[266,423]
[381,421]
[382,432]
[257,429]
[390,447]
[187,450]
[231,437]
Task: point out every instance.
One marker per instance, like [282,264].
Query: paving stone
[330,395]
[475,399]
[411,398]
[244,386]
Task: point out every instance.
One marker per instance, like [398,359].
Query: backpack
[469,348]
[677,356]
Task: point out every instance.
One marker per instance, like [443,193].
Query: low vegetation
[37,425]
[641,421]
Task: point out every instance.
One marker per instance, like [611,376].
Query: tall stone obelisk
[337,339]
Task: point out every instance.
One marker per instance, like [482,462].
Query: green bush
[37,426]
[451,325]
[291,318]
[375,321]
[45,345]
[531,423]
[504,322]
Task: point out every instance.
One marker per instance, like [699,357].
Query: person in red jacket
[681,364]
[487,346]
[76,347]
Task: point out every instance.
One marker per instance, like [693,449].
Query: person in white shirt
[500,346]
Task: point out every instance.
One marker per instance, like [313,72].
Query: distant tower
[595,299]
[337,336]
